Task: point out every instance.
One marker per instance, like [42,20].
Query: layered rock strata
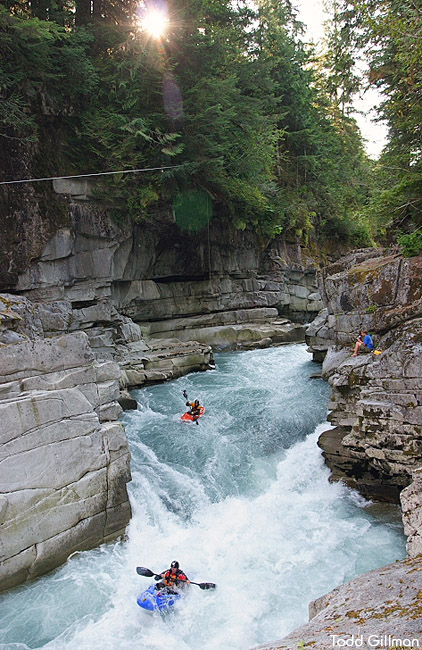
[260,327]
[119,339]
[154,272]
[64,457]
[376,402]
[411,504]
[382,608]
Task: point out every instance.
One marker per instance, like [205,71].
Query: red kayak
[187,417]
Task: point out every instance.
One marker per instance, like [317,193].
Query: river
[242,500]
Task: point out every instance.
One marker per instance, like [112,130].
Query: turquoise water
[242,500]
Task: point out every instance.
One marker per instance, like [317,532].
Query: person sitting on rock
[364,339]
[173,579]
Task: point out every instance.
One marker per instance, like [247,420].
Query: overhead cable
[62,178]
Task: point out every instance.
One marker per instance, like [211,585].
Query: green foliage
[389,33]
[411,244]
[320,161]
[44,70]
[140,201]
[192,210]
[342,81]
[228,99]
[355,228]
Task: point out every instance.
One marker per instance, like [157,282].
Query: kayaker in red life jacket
[173,579]
[195,408]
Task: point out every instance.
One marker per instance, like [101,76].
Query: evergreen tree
[227,96]
[342,81]
[388,31]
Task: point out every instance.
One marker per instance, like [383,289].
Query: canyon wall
[162,277]
[64,457]
[91,309]
[376,402]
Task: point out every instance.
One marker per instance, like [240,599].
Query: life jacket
[170,580]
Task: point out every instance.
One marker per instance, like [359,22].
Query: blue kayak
[154,600]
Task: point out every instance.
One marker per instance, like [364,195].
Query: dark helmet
[174,564]
[197,401]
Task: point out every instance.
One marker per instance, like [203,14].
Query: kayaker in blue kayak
[173,579]
[164,595]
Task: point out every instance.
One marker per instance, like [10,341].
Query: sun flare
[155,22]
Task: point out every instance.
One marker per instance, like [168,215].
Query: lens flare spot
[192,210]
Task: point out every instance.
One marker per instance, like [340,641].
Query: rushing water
[242,500]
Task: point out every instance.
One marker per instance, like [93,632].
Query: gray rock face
[367,612]
[155,272]
[64,459]
[218,287]
[376,402]
[229,330]
[18,320]
[320,335]
[376,290]
[376,410]
[411,503]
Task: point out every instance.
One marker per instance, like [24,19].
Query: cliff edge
[376,401]
[379,609]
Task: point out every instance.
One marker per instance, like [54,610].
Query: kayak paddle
[142,571]
[185,395]
[204,585]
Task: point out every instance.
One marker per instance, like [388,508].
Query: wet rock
[127,402]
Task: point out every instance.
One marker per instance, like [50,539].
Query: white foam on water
[234,502]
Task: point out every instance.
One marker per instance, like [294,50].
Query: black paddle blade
[205,585]
[142,571]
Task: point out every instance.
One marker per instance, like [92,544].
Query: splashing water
[242,500]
